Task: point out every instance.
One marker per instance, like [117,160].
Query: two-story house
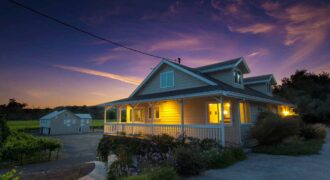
[213,101]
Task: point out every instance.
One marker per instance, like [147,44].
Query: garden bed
[164,157]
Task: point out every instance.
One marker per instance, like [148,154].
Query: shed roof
[84,116]
[52,114]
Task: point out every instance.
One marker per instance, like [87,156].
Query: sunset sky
[45,64]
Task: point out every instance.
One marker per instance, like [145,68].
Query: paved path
[99,172]
[271,167]
[77,149]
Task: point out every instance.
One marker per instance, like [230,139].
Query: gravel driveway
[260,167]
[77,149]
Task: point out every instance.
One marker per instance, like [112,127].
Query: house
[214,101]
[64,122]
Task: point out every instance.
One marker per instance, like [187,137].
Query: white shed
[64,122]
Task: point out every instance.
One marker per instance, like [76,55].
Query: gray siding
[57,125]
[262,87]
[181,81]
[226,76]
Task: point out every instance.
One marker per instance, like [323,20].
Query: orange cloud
[125,79]
[253,29]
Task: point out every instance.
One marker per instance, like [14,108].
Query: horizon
[45,64]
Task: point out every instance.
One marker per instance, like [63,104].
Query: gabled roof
[225,65]
[179,67]
[52,114]
[268,78]
[84,116]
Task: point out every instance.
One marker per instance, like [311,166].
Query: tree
[310,92]
[4,130]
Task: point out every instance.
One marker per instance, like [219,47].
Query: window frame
[230,124]
[165,75]
[239,74]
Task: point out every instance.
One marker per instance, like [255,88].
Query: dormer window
[237,77]
[269,87]
[167,79]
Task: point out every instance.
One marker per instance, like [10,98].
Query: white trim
[164,61]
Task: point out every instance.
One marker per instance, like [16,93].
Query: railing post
[133,119]
[182,116]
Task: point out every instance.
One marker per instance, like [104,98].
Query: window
[156,112]
[269,87]
[149,113]
[139,115]
[215,114]
[167,79]
[237,77]
[244,109]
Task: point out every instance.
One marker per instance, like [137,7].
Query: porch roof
[221,89]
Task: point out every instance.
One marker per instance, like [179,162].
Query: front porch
[199,117]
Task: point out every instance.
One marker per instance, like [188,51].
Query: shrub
[164,142]
[4,130]
[187,161]
[207,144]
[216,158]
[316,131]
[122,166]
[158,173]
[10,175]
[271,129]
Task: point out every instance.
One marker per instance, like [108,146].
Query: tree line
[15,110]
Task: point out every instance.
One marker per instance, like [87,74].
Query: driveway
[260,167]
[76,149]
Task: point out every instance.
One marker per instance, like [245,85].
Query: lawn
[295,149]
[34,124]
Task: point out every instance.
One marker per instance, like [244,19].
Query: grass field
[34,124]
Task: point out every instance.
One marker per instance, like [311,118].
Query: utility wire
[83,31]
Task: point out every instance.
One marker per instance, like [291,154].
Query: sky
[45,64]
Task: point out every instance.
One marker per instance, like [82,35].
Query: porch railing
[192,130]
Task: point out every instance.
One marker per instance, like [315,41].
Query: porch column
[106,108]
[132,119]
[182,115]
[152,118]
[119,114]
[222,123]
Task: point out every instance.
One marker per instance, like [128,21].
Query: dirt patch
[74,172]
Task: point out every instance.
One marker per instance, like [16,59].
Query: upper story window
[167,79]
[269,87]
[238,77]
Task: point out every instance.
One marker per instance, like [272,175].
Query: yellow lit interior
[215,116]
[286,111]
[244,110]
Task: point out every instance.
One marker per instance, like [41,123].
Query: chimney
[179,60]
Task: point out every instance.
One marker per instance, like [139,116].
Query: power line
[83,31]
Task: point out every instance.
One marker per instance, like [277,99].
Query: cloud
[216,4]
[253,29]
[175,44]
[306,29]
[253,54]
[125,79]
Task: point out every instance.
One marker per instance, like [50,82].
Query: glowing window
[215,116]
[244,109]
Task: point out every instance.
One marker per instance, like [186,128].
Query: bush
[316,131]
[158,173]
[10,175]
[223,158]
[187,161]
[4,130]
[20,145]
[271,129]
